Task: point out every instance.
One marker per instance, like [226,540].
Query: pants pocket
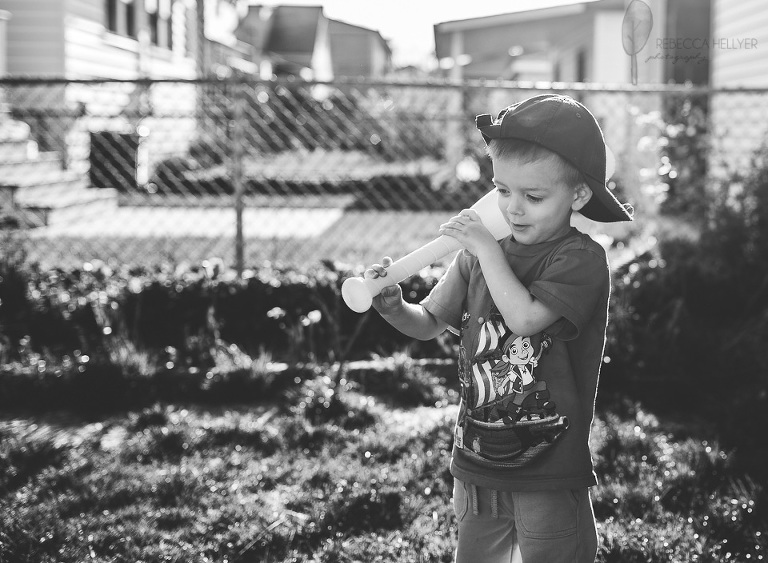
[460,500]
[546,514]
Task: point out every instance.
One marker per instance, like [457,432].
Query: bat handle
[358,293]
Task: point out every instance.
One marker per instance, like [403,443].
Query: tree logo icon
[635,30]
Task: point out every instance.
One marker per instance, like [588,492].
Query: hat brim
[603,205]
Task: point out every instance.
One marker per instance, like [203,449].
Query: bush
[150,319]
[690,320]
[685,154]
[14,305]
[699,309]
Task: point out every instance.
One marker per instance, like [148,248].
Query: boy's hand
[468,229]
[391,297]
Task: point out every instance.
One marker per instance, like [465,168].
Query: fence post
[236,172]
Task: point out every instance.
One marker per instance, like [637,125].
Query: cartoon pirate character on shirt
[504,380]
[513,373]
[506,407]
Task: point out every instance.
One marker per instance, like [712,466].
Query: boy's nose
[514,207]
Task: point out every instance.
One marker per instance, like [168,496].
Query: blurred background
[172,131]
[184,185]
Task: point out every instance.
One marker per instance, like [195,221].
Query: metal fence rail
[143,172]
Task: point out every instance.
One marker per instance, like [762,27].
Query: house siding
[350,50]
[69,38]
[739,120]
[488,46]
[94,52]
[320,59]
[35,37]
[381,57]
[748,67]
[610,62]
[91,51]
[357,51]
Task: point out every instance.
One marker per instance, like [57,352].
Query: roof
[290,32]
[443,30]
[294,29]
[340,27]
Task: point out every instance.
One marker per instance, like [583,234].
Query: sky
[408,24]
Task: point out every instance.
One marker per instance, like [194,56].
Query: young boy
[532,312]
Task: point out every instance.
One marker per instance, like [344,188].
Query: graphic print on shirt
[507,416]
[504,373]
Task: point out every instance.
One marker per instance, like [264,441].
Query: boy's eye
[534,198]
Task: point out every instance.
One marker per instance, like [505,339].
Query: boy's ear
[581,195]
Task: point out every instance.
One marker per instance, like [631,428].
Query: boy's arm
[410,319]
[414,320]
[523,314]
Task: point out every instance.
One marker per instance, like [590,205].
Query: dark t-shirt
[528,402]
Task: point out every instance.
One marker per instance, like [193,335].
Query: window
[130,20]
[160,22]
[169,31]
[121,17]
[153,29]
[127,17]
[581,66]
[111,8]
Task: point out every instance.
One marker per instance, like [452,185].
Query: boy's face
[534,199]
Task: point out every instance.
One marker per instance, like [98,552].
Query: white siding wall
[93,52]
[35,37]
[4,17]
[739,121]
[609,61]
[69,38]
[740,66]
[322,64]
[378,57]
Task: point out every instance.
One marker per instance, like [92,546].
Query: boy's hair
[527,152]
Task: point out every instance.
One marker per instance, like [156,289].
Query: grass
[335,473]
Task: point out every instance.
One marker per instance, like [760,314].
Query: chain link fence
[293,172]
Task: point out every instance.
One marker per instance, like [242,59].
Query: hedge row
[184,315]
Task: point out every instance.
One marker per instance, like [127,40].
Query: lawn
[355,471]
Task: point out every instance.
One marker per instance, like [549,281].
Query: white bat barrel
[358,293]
